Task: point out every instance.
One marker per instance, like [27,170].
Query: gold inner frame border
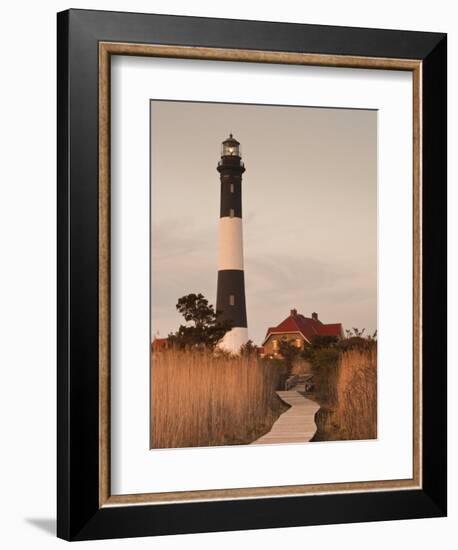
[106,50]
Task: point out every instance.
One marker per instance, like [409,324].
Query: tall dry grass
[349,404]
[356,408]
[198,399]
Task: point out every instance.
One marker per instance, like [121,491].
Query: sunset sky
[309,211]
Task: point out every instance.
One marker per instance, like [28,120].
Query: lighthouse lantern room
[230,147]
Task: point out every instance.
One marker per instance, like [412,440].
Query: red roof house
[159,344]
[299,329]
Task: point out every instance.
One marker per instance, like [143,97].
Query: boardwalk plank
[296,425]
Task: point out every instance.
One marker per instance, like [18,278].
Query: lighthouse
[230,295]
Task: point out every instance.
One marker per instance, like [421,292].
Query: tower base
[234,340]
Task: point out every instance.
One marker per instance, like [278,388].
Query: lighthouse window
[232,187]
[231,212]
[230,149]
[231,300]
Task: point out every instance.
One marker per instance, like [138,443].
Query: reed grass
[356,409]
[199,399]
[349,397]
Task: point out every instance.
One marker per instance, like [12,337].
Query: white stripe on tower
[230,296]
[230,249]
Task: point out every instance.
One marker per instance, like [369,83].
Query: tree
[248,349]
[205,331]
[289,352]
[324,341]
[355,333]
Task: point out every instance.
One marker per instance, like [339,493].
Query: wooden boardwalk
[296,425]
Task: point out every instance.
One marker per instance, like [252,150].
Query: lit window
[231,300]
[231,212]
[232,187]
[275,344]
[298,342]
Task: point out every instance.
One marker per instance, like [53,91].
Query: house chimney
[315,316]
[293,312]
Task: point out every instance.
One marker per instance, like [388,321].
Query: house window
[298,343]
[231,212]
[231,300]
[232,187]
[275,345]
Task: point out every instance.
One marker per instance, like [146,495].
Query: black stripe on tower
[231,169]
[231,197]
[230,297]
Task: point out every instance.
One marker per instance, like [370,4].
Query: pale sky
[309,198]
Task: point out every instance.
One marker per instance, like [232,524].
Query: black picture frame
[79,515]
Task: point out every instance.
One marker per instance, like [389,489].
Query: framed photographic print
[252,274]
